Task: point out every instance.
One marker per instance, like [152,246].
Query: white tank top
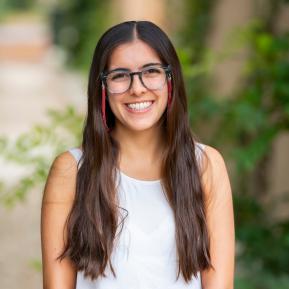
[144,255]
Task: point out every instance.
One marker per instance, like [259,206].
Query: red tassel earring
[169,91]
[103,97]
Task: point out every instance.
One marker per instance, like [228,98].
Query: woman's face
[138,108]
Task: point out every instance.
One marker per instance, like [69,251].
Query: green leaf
[264,43]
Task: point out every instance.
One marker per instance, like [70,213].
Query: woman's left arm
[220,222]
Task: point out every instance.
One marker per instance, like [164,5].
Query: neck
[147,145]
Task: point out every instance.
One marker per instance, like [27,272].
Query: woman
[141,204]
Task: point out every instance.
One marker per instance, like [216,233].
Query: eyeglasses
[152,77]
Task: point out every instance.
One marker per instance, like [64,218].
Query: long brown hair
[93,220]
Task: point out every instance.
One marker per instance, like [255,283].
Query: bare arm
[220,221]
[57,201]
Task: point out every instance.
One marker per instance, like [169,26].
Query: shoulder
[61,180]
[64,166]
[219,220]
[214,172]
[57,203]
[213,159]
[207,157]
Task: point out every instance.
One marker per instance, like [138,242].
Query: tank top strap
[77,154]
[199,152]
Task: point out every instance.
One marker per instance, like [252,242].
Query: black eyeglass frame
[103,77]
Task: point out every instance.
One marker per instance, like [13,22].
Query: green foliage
[264,244]
[11,6]
[260,110]
[35,150]
[76,27]
[17,4]
[265,280]
[198,20]
[249,121]
[245,125]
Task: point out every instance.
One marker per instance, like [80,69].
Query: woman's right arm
[59,193]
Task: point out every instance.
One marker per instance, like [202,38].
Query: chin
[139,124]
[140,128]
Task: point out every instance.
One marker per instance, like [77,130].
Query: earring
[169,91]
[103,97]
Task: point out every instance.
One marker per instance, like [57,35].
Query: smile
[140,106]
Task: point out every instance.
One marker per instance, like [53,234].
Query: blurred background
[235,58]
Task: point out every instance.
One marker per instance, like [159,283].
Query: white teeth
[140,105]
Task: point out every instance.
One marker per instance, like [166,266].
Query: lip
[139,112]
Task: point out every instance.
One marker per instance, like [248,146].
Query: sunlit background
[235,58]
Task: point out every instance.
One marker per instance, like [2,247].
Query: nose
[137,88]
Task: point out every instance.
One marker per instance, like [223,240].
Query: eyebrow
[126,69]
[151,64]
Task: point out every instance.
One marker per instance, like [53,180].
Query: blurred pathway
[32,79]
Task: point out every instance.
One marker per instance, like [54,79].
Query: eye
[154,70]
[151,71]
[118,76]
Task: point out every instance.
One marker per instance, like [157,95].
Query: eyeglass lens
[153,78]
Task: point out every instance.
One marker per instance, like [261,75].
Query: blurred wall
[155,11]
[227,16]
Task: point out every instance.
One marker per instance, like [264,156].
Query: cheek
[112,104]
[164,96]
[115,104]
